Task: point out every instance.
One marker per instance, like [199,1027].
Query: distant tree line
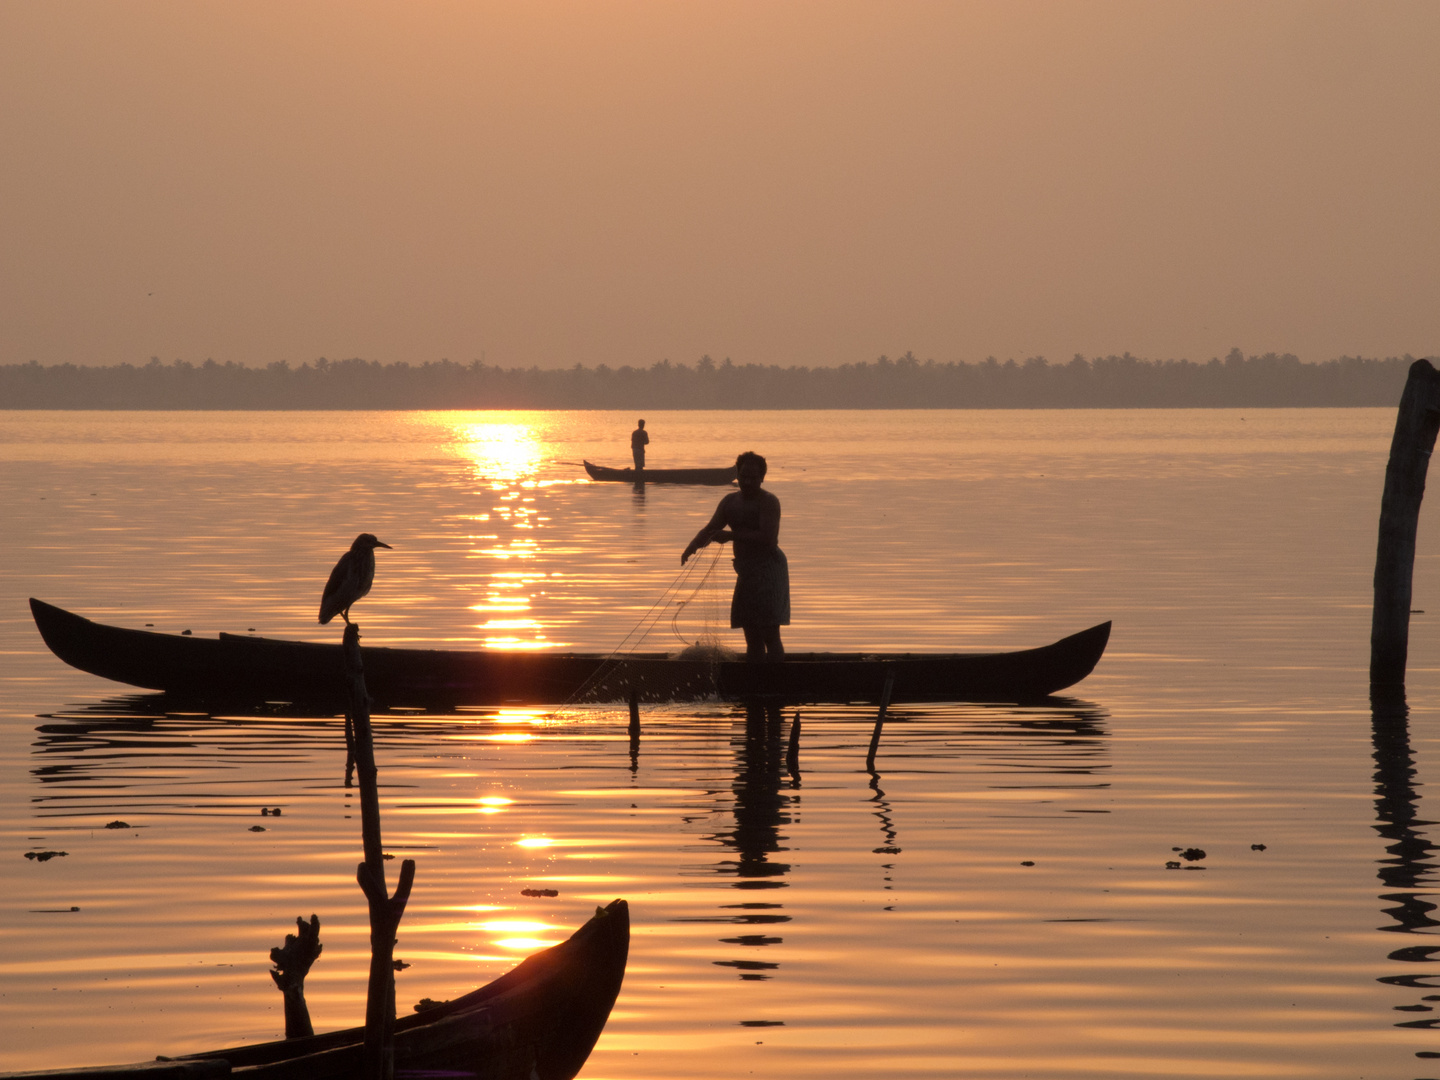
[904,383]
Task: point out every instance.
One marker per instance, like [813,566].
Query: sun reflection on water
[503,452]
[522,933]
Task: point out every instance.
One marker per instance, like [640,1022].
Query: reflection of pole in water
[1408,864]
[883,812]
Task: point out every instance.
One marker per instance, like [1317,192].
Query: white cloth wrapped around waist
[762,589]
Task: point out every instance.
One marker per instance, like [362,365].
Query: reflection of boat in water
[265,669]
[540,1019]
[708,477]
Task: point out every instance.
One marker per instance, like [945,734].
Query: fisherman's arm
[714,529]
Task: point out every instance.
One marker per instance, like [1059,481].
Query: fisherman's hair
[750,455]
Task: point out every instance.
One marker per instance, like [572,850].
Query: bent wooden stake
[1416,425]
[880,717]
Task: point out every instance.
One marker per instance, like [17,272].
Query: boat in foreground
[711,477]
[244,668]
[539,1020]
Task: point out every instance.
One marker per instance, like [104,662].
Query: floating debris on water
[257,828]
[1257,847]
[1027,862]
[44,856]
[117,825]
[1192,854]
[539,892]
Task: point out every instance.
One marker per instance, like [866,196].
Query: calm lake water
[847,923]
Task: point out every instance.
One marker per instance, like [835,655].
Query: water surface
[842,922]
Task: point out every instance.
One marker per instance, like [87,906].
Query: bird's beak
[381,543]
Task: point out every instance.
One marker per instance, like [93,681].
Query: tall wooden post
[385,910]
[1416,426]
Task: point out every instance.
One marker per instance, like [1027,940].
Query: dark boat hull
[264,669]
[541,1019]
[710,477]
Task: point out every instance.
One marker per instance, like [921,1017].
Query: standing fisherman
[751,518]
[639,439]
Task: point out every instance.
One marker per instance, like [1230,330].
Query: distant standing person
[639,439]
[751,518]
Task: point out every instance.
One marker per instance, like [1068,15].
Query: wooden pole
[349,749]
[1416,425]
[880,717]
[385,910]
[792,752]
[634,729]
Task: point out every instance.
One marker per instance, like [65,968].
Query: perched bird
[351,579]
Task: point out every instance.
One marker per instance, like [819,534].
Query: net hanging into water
[695,605]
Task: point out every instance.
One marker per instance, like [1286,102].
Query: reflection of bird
[351,579]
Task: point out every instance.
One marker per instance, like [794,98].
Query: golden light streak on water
[501,926]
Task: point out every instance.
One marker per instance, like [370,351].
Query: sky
[548,184]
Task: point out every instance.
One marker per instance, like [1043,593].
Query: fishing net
[700,610]
[696,607]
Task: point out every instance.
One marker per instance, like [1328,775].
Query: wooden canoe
[541,1019]
[236,667]
[711,477]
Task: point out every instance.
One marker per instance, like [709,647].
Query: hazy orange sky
[790,183]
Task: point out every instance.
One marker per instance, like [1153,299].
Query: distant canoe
[540,1019]
[710,477]
[239,667]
